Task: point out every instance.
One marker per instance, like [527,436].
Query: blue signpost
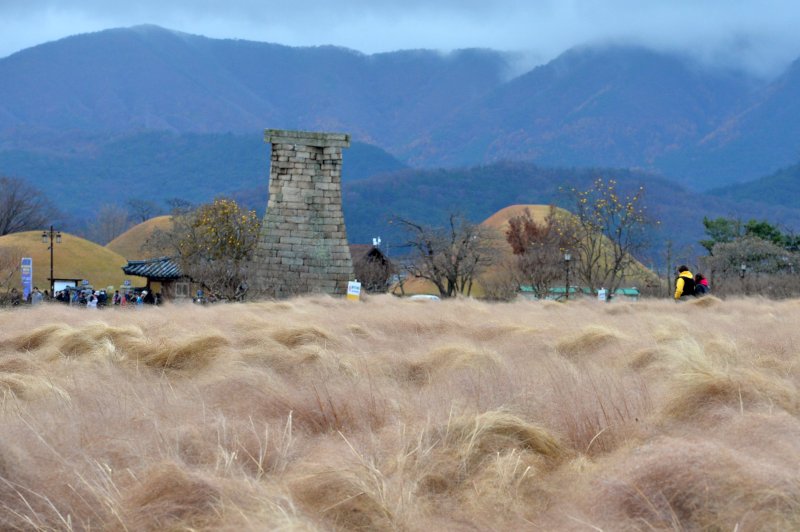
[26,272]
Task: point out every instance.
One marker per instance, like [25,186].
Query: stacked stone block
[303,247]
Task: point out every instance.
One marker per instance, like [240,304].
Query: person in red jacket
[700,285]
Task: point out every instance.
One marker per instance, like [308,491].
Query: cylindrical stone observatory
[302,247]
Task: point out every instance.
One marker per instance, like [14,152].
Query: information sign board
[26,273]
[353,291]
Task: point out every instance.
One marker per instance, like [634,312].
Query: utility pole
[52,235]
[567,259]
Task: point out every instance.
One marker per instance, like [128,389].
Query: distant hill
[758,140]
[163,165]
[781,189]
[427,196]
[73,258]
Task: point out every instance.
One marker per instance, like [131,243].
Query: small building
[553,293]
[371,267]
[163,276]
[629,294]
[558,293]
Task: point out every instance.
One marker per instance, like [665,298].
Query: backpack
[688,286]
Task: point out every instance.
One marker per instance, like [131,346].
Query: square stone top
[307,138]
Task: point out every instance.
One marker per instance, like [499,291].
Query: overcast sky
[762,35]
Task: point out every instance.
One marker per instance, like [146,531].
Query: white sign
[61,285]
[601,294]
[353,290]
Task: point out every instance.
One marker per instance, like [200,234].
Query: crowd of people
[87,297]
[686,285]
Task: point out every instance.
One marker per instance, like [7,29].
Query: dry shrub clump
[167,496]
[587,341]
[699,484]
[705,302]
[488,433]
[450,358]
[343,498]
[100,342]
[701,380]
[319,413]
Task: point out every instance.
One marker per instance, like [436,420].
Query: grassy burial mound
[73,258]
[637,275]
[498,223]
[499,220]
[321,414]
[131,243]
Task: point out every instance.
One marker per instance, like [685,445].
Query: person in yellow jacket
[684,284]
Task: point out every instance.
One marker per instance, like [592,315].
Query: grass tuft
[588,341]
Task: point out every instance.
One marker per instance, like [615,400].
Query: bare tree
[539,249]
[609,229]
[450,257]
[10,263]
[142,210]
[111,221]
[179,205]
[214,245]
[503,282]
[768,268]
[22,206]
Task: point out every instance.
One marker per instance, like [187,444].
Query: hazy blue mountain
[781,188]
[149,78]
[611,106]
[758,140]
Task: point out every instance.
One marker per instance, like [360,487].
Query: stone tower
[302,247]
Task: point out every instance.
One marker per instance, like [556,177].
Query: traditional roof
[162,268]
[366,252]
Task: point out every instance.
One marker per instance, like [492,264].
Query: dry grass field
[323,414]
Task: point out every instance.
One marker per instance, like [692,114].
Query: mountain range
[150,112]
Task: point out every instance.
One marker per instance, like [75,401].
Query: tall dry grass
[319,414]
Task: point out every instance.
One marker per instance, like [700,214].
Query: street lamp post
[567,258]
[51,236]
